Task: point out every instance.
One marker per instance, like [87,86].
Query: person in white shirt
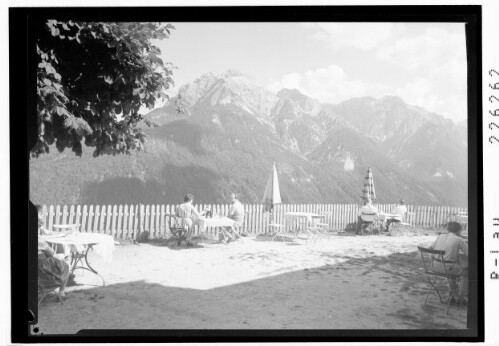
[399,210]
[366,209]
[189,216]
[236,213]
[455,257]
[236,210]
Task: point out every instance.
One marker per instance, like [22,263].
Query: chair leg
[432,287]
[452,291]
[42,298]
[275,235]
[43,295]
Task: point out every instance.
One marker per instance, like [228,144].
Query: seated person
[189,216]
[455,262]
[53,270]
[366,209]
[400,209]
[236,213]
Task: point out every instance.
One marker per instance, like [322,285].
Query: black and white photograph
[253,175]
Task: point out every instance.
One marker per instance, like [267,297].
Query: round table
[80,244]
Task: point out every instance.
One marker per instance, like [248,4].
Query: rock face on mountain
[234,129]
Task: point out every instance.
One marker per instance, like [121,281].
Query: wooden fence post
[141,219]
[119,230]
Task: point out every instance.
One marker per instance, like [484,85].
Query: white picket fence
[126,221]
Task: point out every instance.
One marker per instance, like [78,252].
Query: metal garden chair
[179,230]
[429,257]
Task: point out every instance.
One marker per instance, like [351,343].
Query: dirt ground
[339,282]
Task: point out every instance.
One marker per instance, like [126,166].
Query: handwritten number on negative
[492,138]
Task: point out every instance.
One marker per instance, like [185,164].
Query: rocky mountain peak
[296,104]
[232,73]
[230,88]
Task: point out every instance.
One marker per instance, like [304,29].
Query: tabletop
[221,221]
[389,214]
[102,244]
[68,225]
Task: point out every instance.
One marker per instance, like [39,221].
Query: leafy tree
[92,79]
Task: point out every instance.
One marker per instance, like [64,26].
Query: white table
[80,244]
[390,215]
[216,221]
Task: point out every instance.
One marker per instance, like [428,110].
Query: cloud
[363,36]
[434,46]
[329,84]
[424,63]
[441,90]
[411,46]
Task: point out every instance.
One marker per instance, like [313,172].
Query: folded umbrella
[368,190]
[272,194]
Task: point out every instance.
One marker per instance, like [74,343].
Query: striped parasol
[368,190]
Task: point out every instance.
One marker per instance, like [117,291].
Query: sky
[423,63]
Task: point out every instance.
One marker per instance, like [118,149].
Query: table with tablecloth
[216,221]
[80,244]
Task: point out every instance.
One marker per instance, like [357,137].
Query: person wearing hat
[399,212]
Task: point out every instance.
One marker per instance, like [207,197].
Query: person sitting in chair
[53,269]
[236,213]
[400,210]
[456,259]
[189,215]
[366,209]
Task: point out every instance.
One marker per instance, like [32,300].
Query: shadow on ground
[383,292]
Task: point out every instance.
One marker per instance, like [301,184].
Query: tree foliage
[92,79]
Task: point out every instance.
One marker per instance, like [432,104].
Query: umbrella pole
[271,218]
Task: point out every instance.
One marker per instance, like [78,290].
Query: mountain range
[233,129]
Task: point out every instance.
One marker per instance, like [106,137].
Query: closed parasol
[368,190]
[272,194]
